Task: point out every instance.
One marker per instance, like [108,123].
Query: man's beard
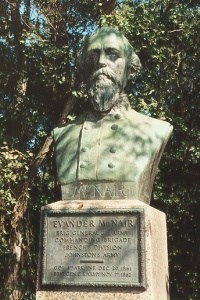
[104,90]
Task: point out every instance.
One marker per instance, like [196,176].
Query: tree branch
[37,161]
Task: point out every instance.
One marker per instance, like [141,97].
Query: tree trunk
[108,6]
[19,214]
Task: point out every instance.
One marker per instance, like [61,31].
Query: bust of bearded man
[111,151]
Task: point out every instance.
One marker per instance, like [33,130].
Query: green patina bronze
[108,46]
[111,142]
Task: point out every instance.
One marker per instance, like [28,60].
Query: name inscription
[98,190]
[98,248]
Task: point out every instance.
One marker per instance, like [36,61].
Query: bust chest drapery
[122,146]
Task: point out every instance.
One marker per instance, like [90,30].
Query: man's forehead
[110,40]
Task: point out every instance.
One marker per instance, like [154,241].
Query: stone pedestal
[139,275]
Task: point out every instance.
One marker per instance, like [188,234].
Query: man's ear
[134,66]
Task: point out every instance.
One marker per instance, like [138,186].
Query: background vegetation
[39,44]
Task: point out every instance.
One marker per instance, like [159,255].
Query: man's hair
[134,64]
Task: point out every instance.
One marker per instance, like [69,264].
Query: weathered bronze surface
[98,190]
[95,151]
[110,142]
[100,247]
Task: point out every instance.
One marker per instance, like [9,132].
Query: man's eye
[112,53]
[92,56]
[113,56]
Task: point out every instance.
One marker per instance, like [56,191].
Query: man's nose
[102,60]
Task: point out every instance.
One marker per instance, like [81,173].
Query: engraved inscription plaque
[95,247]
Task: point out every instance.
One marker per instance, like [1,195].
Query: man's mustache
[106,72]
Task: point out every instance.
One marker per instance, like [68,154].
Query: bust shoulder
[148,125]
[66,129]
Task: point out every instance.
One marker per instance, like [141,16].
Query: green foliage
[165,36]
[39,45]
[13,171]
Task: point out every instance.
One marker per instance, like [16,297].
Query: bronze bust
[112,151]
